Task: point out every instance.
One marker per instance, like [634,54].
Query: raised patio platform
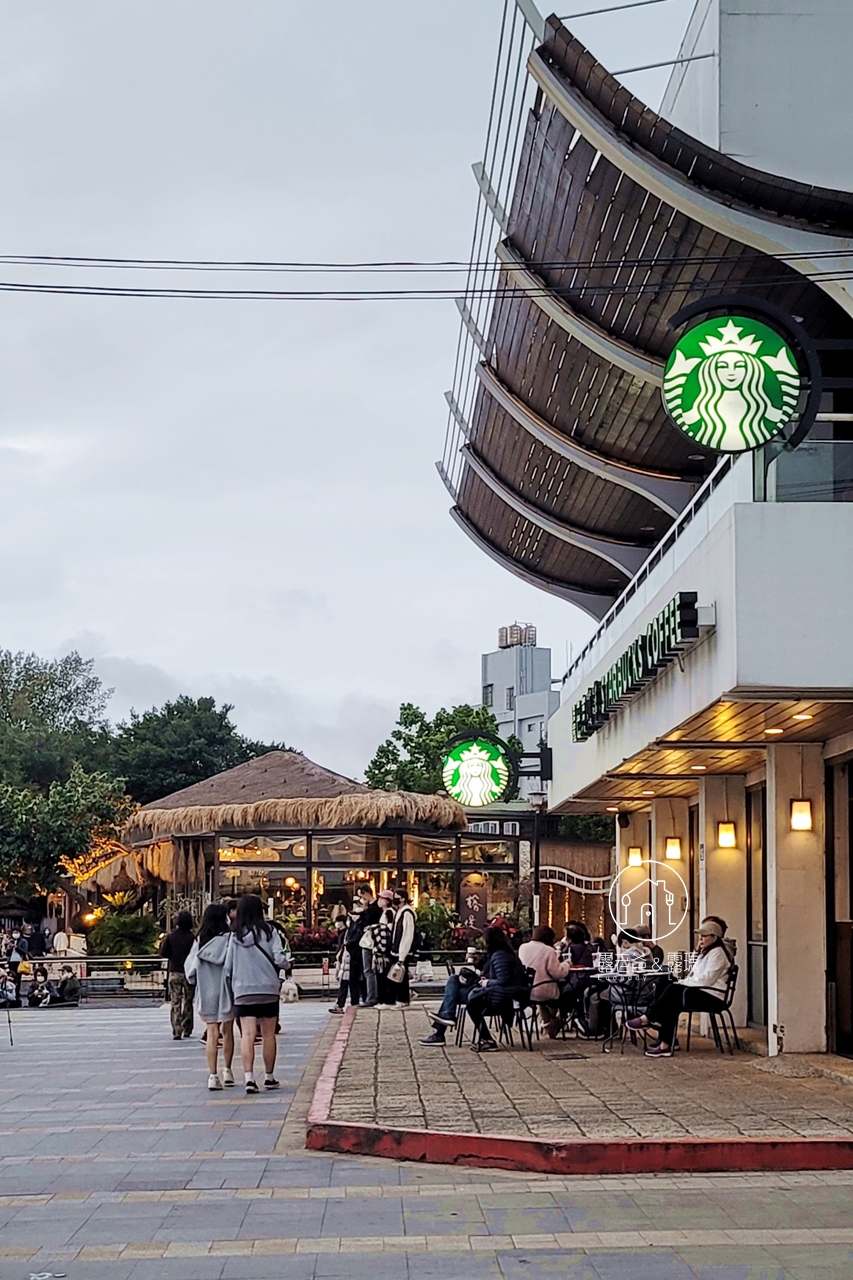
[568,1108]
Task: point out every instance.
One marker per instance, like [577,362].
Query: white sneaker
[213,1082]
[228,1077]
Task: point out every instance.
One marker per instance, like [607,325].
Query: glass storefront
[303,877]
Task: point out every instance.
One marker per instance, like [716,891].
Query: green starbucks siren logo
[731,384]
[476,772]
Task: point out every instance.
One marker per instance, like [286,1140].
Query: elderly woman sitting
[702,990]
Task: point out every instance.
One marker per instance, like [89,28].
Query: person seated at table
[701,991]
[643,934]
[630,948]
[503,980]
[69,986]
[548,971]
[457,989]
[576,935]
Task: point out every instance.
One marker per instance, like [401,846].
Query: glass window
[488,695]
[281,889]
[335,886]
[354,848]
[420,849]
[510,698]
[263,849]
[488,851]
[432,886]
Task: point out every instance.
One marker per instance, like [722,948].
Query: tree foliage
[39,832]
[595,828]
[183,742]
[410,760]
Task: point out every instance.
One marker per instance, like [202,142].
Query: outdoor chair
[630,996]
[718,1018]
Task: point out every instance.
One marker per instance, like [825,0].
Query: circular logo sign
[653,894]
[476,771]
[731,384]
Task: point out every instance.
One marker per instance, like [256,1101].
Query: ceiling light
[774,731]
[698,768]
[635,857]
[801,815]
[673,848]
[726,835]
[648,793]
[803,715]
[613,808]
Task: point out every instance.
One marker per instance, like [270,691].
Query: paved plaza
[570,1089]
[116,1162]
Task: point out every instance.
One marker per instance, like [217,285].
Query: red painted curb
[539,1155]
[324,1089]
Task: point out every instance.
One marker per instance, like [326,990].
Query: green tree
[51,717]
[184,742]
[42,836]
[410,760]
[595,828]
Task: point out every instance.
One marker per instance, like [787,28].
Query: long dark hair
[213,922]
[496,940]
[250,918]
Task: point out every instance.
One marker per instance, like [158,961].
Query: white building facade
[712,711]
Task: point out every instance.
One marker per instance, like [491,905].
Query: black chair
[718,1017]
[630,995]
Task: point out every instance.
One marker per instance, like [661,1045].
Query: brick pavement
[570,1089]
[116,1164]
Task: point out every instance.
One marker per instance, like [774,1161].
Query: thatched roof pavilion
[299,834]
[286,790]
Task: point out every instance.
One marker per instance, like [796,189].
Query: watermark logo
[652,895]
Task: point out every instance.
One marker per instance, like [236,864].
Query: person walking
[371,915]
[205,967]
[175,948]
[381,934]
[253,969]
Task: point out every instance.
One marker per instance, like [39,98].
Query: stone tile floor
[115,1163]
[387,1076]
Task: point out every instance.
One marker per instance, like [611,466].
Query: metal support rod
[536,867]
[670,62]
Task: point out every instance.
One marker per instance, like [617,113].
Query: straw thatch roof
[285,789]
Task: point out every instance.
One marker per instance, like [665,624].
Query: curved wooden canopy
[568,431]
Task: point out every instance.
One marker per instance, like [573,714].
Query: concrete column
[722,872]
[796,910]
[671,817]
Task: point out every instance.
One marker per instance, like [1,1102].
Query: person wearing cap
[701,991]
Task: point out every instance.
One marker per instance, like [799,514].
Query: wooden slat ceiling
[729,737]
[570,205]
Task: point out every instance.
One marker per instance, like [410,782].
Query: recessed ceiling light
[613,808]
[803,715]
[774,730]
[698,768]
[695,457]
[648,793]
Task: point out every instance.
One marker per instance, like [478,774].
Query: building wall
[776,97]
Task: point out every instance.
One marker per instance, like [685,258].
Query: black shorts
[268,1009]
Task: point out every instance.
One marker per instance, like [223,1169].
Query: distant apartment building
[517,686]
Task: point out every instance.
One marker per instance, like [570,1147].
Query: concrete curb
[540,1155]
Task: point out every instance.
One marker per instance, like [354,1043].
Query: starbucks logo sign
[731,384]
[477,771]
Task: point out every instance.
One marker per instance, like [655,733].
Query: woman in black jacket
[503,981]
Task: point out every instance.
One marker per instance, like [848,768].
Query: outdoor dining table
[634,992]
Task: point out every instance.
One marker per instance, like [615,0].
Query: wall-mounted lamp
[726,835]
[801,815]
[673,848]
[635,857]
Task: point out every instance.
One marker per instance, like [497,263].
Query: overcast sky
[239,498]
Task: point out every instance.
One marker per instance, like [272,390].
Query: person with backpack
[253,970]
[205,966]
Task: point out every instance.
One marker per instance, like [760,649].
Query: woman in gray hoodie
[253,968]
[205,966]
